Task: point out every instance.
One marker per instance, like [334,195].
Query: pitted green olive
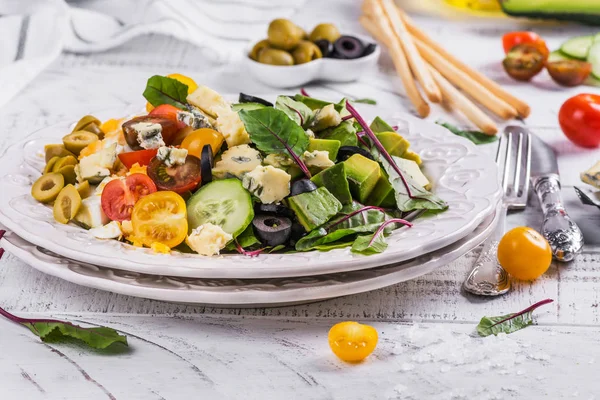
[50,164]
[325,31]
[275,57]
[77,141]
[47,187]
[258,47]
[67,204]
[284,34]
[89,123]
[63,161]
[305,52]
[55,150]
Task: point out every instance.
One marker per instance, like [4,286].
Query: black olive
[298,232]
[370,48]
[325,46]
[346,152]
[206,164]
[246,98]
[275,209]
[349,47]
[302,186]
[272,230]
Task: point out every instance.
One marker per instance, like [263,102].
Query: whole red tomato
[579,118]
[511,39]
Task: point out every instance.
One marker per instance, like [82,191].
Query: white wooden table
[428,347]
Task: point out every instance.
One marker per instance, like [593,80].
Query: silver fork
[488,278]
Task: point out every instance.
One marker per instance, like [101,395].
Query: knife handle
[563,234]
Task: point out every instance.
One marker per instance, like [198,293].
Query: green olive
[84,189]
[77,141]
[275,57]
[89,123]
[47,187]
[258,47]
[325,31]
[55,150]
[68,172]
[67,204]
[50,164]
[284,34]
[303,33]
[63,161]
[306,51]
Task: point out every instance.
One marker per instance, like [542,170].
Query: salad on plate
[196,173]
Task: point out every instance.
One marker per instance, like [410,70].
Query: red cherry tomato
[579,118]
[141,157]
[168,111]
[119,197]
[512,39]
[178,178]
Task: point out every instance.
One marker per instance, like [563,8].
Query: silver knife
[563,234]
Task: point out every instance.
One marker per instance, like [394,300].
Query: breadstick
[417,65]
[463,81]
[383,34]
[522,108]
[463,104]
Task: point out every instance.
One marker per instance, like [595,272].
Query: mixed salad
[199,174]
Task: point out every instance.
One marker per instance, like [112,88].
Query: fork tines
[514,159]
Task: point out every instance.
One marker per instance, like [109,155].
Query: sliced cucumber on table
[594,59]
[558,55]
[578,47]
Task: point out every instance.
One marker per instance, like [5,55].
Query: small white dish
[323,69]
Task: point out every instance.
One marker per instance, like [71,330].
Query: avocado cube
[412,169]
[383,194]
[314,208]
[410,155]
[334,179]
[394,143]
[344,132]
[362,175]
[331,146]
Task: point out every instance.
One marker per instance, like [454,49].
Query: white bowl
[323,69]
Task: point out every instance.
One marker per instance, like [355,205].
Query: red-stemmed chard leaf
[352,214]
[304,93]
[372,244]
[509,323]
[298,112]
[251,253]
[53,330]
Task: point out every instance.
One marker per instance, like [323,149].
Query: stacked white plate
[462,175]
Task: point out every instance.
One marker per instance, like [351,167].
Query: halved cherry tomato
[524,253]
[170,112]
[178,178]
[195,141]
[169,129]
[119,196]
[352,341]
[510,40]
[523,62]
[160,218]
[142,157]
[569,72]
[579,118]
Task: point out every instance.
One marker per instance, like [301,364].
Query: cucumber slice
[577,47]
[558,55]
[597,37]
[225,203]
[594,59]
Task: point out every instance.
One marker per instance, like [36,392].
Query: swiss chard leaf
[246,239]
[315,104]
[298,112]
[55,330]
[474,136]
[379,125]
[162,90]
[365,101]
[367,244]
[509,323]
[247,106]
[272,131]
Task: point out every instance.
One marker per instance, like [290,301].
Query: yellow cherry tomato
[195,141]
[186,80]
[352,341]
[524,253]
[161,218]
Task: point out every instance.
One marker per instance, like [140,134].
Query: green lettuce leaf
[51,330]
[368,244]
[474,136]
[162,90]
[509,323]
[298,112]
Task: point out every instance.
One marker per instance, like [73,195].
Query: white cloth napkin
[35,32]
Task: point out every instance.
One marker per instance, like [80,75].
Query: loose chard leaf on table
[509,323]
[365,101]
[162,90]
[474,136]
[50,330]
[297,111]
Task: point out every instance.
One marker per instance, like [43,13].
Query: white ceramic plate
[461,175]
[238,292]
[323,69]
